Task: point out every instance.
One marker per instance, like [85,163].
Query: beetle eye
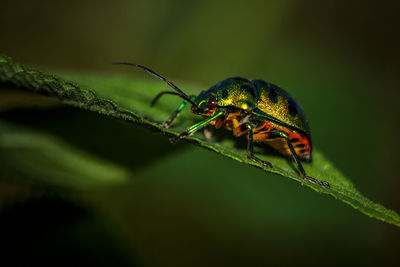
[212,103]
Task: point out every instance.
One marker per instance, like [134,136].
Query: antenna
[180,92]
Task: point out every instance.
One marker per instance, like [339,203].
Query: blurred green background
[191,207]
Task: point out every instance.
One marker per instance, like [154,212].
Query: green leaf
[30,153]
[129,99]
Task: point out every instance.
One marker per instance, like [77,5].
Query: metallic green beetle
[261,111]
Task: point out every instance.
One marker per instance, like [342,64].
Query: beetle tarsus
[166,124]
[263,162]
[316,181]
[178,137]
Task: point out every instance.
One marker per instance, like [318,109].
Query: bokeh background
[188,206]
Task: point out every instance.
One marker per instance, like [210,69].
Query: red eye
[212,103]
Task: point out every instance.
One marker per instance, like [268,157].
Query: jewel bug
[261,111]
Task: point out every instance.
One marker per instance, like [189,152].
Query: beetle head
[206,103]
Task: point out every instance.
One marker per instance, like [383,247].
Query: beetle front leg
[297,160]
[194,128]
[250,153]
[168,122]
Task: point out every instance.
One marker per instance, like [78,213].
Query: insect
[261,111]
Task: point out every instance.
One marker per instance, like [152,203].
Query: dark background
[339,59]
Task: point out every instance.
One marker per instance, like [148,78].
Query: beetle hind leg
[250,153]
[297,160]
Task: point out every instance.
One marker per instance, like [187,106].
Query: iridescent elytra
[261,111]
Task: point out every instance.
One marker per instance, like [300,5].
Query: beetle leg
[208,132]
[250,142]
[297,160]
[194,128]
[168,122]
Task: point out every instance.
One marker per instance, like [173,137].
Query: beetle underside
[235,122]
